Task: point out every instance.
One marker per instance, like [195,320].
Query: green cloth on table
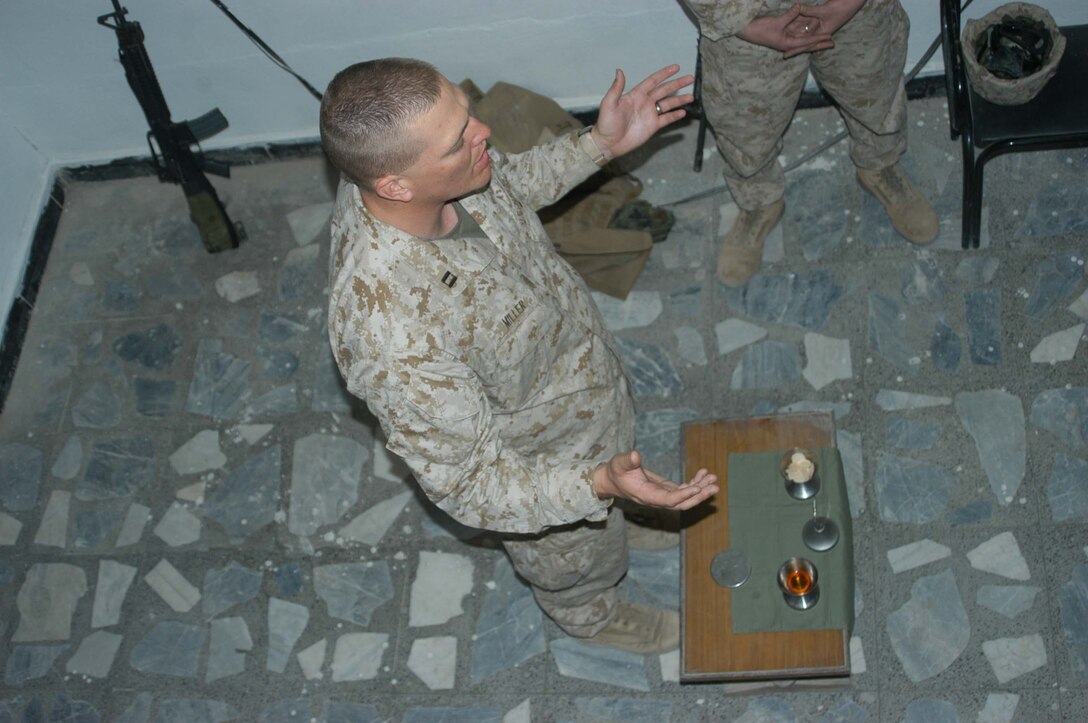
[765,524]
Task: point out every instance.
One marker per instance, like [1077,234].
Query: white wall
[64,100]
[24,187]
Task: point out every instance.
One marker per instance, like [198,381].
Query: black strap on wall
[273,56]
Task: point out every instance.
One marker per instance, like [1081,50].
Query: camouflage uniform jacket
[722,18]
[485,360]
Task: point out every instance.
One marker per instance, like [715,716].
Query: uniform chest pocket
[529,341]
[527,329]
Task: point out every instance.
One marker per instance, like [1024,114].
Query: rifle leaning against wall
[174,162]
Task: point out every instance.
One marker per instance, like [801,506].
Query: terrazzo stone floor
[197,525]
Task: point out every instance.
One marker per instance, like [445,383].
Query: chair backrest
[955,76]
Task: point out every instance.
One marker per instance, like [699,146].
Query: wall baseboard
[137,166]
[926,86]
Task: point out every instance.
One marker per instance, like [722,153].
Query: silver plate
[730,568]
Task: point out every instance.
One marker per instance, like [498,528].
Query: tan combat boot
[911,214]
[742,249]
[640,629]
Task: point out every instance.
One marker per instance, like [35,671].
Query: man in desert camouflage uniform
[756,56]
[478,349]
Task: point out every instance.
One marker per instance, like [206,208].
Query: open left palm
[627,120]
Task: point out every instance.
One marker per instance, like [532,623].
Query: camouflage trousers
[750,93]
[574,570]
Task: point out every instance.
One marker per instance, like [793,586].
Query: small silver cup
[799,473]
[797,579]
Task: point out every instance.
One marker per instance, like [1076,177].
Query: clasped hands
[802,28]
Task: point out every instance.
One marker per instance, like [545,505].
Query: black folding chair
[1055,118]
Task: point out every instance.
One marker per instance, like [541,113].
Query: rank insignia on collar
[449,279]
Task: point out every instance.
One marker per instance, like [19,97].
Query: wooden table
[710,650]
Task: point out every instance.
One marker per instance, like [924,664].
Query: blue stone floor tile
[278,612]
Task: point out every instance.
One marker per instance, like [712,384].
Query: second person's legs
[749,94]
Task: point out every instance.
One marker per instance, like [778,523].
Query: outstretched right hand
[624,476]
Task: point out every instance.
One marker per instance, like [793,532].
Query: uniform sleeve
[722,18]
[436,417]
[544,174]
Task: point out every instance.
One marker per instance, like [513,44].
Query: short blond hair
[366,111]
